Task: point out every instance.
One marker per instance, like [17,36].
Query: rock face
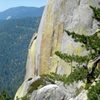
[56,92]
[59,15]
[49,92]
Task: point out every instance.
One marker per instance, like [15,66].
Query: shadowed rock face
[59,15]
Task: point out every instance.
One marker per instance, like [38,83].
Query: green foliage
[94,92]
[97,72]
[96,12]
[52,77]
[23,98]
[35,85]
[15,36]
[91,43]
[69,58]
[76,75]
[5,96]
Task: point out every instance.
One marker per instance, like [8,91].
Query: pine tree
[91,43]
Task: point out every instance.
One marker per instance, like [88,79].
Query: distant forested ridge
[21,12]
[15,35]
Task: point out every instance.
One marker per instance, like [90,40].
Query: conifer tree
[91,43]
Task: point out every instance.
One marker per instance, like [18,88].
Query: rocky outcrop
[57,92]
[59,15]
[30,70]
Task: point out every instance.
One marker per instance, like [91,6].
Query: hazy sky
[5,4]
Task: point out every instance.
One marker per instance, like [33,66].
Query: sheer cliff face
[60,15]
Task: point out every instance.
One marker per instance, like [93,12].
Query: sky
[5,4]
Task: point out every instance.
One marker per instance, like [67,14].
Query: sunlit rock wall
[59,15]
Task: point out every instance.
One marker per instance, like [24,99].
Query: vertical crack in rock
[79,2]
[52,43]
